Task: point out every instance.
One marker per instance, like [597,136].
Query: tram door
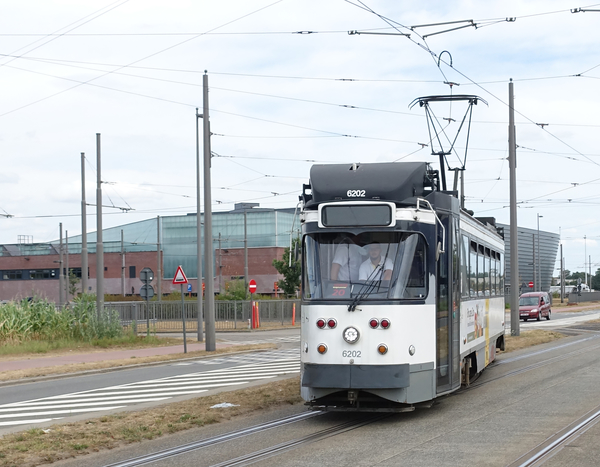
[447,315]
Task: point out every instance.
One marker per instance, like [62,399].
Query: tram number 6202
[351,353]
[356,193]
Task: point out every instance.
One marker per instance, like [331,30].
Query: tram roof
[387,181]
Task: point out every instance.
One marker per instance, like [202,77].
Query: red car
[534,305]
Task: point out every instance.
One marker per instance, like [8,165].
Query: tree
[73,281]
[291,274]
[596,280]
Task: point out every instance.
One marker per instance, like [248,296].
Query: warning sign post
[181,279]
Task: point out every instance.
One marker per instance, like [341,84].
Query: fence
[167,317]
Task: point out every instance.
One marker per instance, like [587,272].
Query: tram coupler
[352,397]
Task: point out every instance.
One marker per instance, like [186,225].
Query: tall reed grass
[39,319]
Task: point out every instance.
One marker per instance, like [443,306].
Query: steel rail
[527,368]
[141,460]
[288,445]
[559,440]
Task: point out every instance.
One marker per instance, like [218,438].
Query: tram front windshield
[372,266]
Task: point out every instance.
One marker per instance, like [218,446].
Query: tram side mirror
[438,251]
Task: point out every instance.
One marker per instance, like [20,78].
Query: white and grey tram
[402,291]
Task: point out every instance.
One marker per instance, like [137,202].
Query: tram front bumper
[356,376]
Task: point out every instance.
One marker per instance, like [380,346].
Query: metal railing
[166,316]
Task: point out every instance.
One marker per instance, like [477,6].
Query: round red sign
[252,286]
[531,285]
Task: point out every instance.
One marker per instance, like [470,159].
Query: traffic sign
[252,286]
[180,276]
[147,292]
[531,284]
[189,287]
[146,275]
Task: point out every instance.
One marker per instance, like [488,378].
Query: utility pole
[246,253]
[208,249]
[562,276]
[99,244]
[159,261]
[67,275]
[533,265]
[84,249]
[61,277]
[220,266]
[585,257]
[122,264]
[199,234]
[514,252]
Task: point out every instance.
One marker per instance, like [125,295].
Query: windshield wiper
[366,289]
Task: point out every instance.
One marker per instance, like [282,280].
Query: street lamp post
[539,287]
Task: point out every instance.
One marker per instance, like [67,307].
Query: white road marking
[260,367]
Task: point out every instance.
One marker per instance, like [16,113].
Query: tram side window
[488,273]
[481,272]
[464,267]
[494,271]
[500,274]
[473,270]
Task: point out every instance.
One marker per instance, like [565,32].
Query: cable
[141,59]
[56,36]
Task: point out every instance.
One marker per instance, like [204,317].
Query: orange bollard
[257,316]
[294,315]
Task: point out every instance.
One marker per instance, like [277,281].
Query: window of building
[132,272]
[42,273]
[9,275]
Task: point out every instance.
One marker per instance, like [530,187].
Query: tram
[402,290]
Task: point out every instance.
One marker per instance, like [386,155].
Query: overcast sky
[290,87]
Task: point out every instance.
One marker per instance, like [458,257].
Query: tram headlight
[322,348]
[382,349]
[351,334]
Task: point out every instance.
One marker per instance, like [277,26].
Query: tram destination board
[356,215]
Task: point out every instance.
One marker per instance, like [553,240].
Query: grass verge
[530,338]
[37,447]
[61,346]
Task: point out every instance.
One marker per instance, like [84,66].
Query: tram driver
[375,267]
[347,260]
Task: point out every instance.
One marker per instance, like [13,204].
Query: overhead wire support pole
[208,246]
[99,244]
[514,252]
[200,290]
[84,248]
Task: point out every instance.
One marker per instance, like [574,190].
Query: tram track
[295,443]
[549,361]
[365,419]
[164,454]
[552,445]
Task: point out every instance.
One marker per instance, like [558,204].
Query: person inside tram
[347,260]
[375,267]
